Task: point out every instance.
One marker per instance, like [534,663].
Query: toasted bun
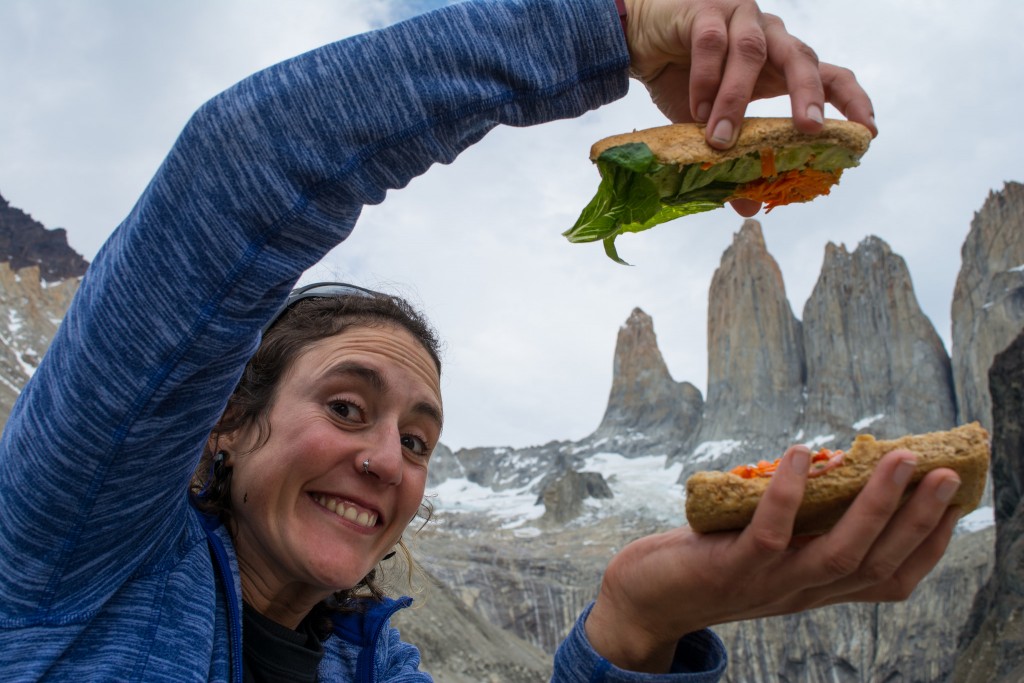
[683,143]
[721,501]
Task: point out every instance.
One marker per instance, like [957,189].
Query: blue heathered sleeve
[700,658]
[262,182]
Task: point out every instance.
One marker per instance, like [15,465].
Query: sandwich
[725,501]
[656,175]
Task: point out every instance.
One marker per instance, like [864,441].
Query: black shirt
[273,653]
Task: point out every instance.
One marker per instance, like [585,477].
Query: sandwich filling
[638,192]
[822,462]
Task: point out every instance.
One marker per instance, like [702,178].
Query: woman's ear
[223,447]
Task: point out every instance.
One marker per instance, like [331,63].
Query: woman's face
[309,520]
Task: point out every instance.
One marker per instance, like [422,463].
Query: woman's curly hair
[296,329]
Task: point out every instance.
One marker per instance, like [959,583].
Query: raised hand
[705,60]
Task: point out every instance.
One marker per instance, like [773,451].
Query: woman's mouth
[346,510]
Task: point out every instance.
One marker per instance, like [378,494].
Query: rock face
[458,645]
[644,398]
[873,357]
[992,646]
[563,498]
[756,358]
[39,274]
[25,242]
[32,310]
[988,302]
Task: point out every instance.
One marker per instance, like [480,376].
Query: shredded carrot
[819,464]
[787,188]
[706,165]
[767,162]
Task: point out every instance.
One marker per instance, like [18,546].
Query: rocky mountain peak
[874,360]
[755,346]
[26,242]
[644,398]
[988,301]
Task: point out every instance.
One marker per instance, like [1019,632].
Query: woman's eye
[415,444]
[347,410]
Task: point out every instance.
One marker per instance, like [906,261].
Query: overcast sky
[93,94]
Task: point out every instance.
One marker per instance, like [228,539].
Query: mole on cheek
[245,497]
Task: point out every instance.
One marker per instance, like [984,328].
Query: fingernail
[801,460]
[904,471]
[814,114]
[723,132]
[703,111]
[947,490]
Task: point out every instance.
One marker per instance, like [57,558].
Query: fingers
[877,540]
[710,45]
[799,65]
[706,61]
[764,60]
[771,530]
[844,92]
[911,544]
[747,54]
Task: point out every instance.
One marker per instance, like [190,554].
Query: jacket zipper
[234,616]
[368,655]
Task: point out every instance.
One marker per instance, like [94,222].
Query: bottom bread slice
[721,501]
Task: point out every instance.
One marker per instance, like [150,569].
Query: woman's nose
[383,457]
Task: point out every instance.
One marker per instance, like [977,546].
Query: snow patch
[1016,269]
[14,321]
[642,485]
[711,450]
[820,440]
[982,518]
[638,484]
[509,506]
[867,421]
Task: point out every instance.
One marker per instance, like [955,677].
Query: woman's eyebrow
[351,368]
[431,411]
[376,380]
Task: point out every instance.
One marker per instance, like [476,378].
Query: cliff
[756,368]
[26,242]
[873,357]
[644,399]
[991,648]
[864,358]
[988,302]
[32,309]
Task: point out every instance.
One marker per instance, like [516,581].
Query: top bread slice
[721,501]
[683,143]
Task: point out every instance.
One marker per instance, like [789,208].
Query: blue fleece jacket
[105,572]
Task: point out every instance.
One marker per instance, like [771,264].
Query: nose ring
[366,467]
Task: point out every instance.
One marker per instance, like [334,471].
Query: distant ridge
[25,242]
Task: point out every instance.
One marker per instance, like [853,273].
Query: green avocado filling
[637,192]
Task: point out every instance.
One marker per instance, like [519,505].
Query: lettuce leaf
[637,192]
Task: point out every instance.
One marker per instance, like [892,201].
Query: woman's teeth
[349,512]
